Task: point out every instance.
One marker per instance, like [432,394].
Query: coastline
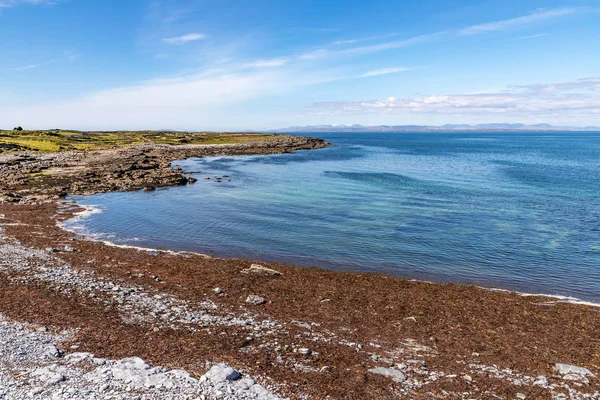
[88,210]
[316,333]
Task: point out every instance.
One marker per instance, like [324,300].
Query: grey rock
[541,380]
[565,369]
[396,375]
[222,373]
[255,300]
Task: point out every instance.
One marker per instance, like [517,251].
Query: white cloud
[275,62]
[34,66]
[14,3]
[334,50]
[384,71]
[193,101]
[533,36]
[567,101]
[516,22]
[179,40]
[323,52]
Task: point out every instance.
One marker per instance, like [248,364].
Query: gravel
[31,366]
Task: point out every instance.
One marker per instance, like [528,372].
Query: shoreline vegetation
[301,333]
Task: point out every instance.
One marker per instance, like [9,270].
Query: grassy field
[57,140]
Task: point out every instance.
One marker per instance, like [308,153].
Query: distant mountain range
[442,128]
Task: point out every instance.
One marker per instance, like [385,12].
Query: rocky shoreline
[32,176]
[81,319]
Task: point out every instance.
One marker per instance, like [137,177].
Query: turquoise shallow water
[513,210]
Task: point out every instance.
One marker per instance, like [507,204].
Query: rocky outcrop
[29,176]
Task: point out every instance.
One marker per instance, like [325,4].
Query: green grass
[59,140]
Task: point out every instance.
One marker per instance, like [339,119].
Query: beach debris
[521,396]
[218,290]
[260,270]
[396,375]
[413,319]
[255,300]
[304,351]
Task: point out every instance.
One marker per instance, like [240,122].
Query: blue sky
[191,64]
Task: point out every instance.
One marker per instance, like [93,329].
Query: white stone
[222,373]
[541,380]
[255,300]
[565,369]
[396,375]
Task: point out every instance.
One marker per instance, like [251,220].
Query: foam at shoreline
[89,210]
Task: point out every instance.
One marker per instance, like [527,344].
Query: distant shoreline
[464,128]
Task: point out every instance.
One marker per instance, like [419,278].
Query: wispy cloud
[358,50]
[34,66]
[190,37]
[384,71]
[275,62]
[533,36]
[69,56]
[14,3]
[334,49]
[538,16]
[565,100]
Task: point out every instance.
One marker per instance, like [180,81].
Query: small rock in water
[255,300]
[192,180]
[396,375]
[149,188]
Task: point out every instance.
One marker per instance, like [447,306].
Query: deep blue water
[512,210]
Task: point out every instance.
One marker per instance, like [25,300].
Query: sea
[511,210]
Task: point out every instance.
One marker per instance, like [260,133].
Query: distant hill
[442,128]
